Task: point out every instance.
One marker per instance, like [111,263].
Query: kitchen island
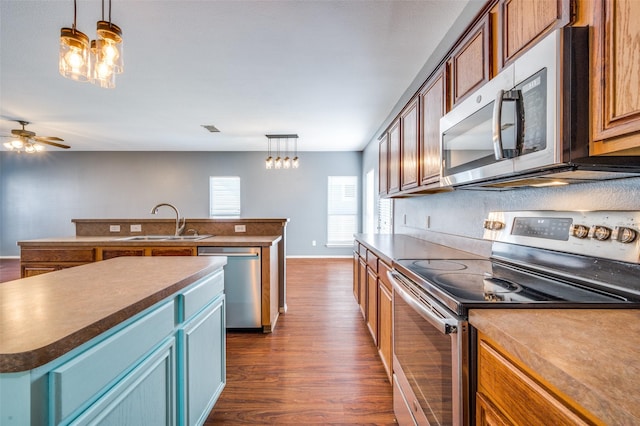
[135,338]
[44,255]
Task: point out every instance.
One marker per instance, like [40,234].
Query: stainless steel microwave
[529,125]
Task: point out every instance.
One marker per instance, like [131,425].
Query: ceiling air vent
[211,128]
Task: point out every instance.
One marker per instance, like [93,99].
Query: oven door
[430,359]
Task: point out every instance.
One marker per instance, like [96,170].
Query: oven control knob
[624,235]
[580,231]
[600,233]
[493,225]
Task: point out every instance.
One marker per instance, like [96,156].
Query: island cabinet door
[146,396]
[202,372]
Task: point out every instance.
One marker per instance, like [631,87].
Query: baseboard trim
[318,257]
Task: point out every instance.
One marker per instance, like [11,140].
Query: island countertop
[45,316]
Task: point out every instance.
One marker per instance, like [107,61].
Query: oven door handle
[444,325]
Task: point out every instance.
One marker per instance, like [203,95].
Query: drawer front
[202,293]
[78,380]
[363,251]
[382,275]
[372,261]
[57,255]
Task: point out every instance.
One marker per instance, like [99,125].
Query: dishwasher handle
[251,255]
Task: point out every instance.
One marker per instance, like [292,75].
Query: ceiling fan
[27,141]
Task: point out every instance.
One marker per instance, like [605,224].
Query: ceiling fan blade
[59,145]
[47,138]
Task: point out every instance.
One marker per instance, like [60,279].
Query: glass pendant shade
[73,60]
[101,71]
[278,162]
[286,163]
[110,36]
[295,163]
[269,162]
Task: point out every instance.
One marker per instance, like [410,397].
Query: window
[369,203]
[342,210]
[385,216]
[224,196]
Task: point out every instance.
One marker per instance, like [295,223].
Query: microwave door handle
[498,152]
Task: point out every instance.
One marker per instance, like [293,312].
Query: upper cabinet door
[526,21]
[432,108]
[383,165]
[471,62]
[409,145]
[616,83]
[394,157]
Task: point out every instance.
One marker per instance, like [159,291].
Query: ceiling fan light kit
[23,140]
[97,61]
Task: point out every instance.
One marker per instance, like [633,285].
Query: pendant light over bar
[279,162]
[97,61]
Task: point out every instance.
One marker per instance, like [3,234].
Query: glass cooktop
[462,284]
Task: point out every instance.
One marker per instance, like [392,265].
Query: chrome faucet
[179,228]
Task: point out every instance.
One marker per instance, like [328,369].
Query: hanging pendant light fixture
[269,160]
[279,162]
[97,61]
[73,58]
[295,163]
[111,47]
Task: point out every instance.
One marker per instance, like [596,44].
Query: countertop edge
[28,360]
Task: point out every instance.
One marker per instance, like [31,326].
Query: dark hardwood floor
[319,365]
[9,269]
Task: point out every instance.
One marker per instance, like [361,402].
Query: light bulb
[278,163]
[29,148]
[17,143]
[8,145]
[286,163]
[103,70]
[38,147]
[110,52]
[269,162]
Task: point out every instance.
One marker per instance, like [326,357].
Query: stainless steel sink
[165,238]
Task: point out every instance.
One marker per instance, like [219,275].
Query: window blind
[224,196]
[342,209]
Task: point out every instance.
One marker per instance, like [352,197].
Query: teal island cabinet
[127,341]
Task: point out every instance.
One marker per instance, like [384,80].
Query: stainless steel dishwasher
[242,284]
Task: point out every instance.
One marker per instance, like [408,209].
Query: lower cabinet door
[204,368]
[145,396]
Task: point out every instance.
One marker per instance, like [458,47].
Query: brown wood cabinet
[375,301]
[383,165]
[394,158]
[470,62]
[616,80]
[362,278]
[432,107]
[524,22]
[372,304]
[385,319]
[36,261]
[409,148]
[509,393]
[356,270]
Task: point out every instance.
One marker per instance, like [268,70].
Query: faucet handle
[195,232]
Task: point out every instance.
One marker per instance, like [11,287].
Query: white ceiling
[330,71]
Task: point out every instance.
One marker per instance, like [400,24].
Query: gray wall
[40,194]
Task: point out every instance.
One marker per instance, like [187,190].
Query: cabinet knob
[493,225]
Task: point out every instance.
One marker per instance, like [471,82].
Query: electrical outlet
[313,243]
[135,228]
[114,228]
[241,228]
